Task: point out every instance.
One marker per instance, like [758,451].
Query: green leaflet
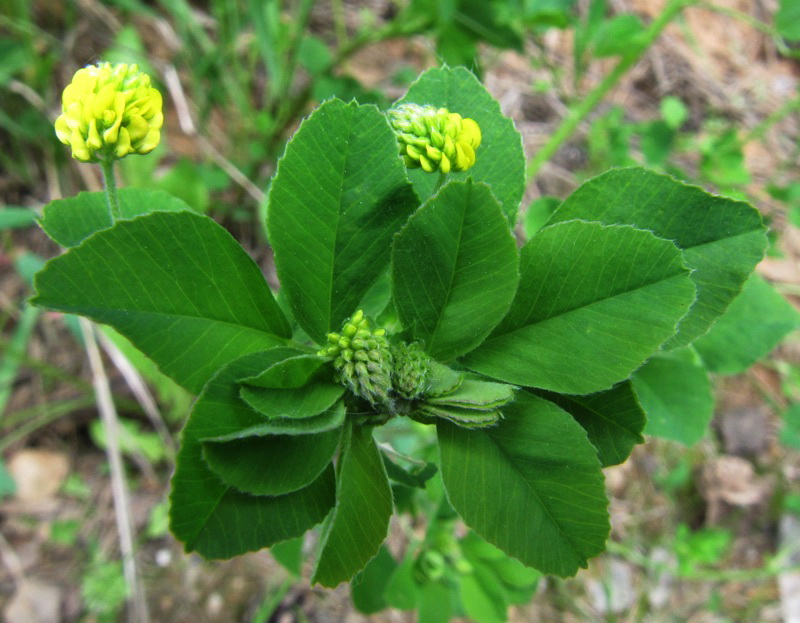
[174,283]
[751,327]
[359,523]
[72,220]
[454,269]
[675,392]
[593,303]
[339,195]
[613,419]
[531,485]
[273,464]
[722,239]
[302,402]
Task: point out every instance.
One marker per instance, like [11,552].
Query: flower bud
[363,363]
[410,371]
[434,138]
[108,112]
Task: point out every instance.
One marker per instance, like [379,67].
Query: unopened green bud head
[108,112]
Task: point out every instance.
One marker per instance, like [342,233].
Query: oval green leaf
[360,521]
[339,195]
[532,485]
[722,239]
[273,464]
[70,221]
[593,303]
[175,284]
[454,269]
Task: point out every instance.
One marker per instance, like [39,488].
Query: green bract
[537,363]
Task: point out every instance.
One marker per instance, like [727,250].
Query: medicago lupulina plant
[405,300]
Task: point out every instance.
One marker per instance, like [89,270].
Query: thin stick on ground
[137,611]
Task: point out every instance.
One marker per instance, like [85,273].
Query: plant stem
[579,112]
[758,132]
[114,210]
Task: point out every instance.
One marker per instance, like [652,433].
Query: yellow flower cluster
[108,112]
[434,138]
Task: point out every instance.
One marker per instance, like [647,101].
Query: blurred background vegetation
[706,522]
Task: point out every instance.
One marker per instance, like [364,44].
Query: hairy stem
[112,198]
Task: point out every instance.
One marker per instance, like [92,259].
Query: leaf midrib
[685,272]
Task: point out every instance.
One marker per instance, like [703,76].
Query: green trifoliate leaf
[70,221]
[675,392]
[613,419]
[360,521]
[593,303]
[215,519]
[339,195]
[500,161]
[531,485]
[722,239]
[454,269]
[168,282]
[271,465]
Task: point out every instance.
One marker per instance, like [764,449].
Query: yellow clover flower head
[434,138]
[108,112]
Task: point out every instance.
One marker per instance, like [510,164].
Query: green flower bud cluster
[410,371]
[434,138]
[108,112]
[362,359]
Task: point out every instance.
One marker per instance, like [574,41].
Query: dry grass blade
[137,612]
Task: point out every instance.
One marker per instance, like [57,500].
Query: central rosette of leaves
[398,378]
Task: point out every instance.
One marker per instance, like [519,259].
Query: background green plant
[33,43]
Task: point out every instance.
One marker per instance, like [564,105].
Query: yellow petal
[63,130]
[93,141]
[150,142]
[472,132]
[444,164]
[137,128]
[426,165]
[123,146]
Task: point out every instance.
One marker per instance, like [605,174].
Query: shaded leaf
[217,520]
[454,269]
[500,159]
[613,419]
[722,239]
[360,521]
[593,303]
[291,373]
[332,237]
[72,220]
[415,476]
[756,321]
[302,402]
[369,586]
[174,283]
[675,392]
[327,420]
[290,555]
[532,485]
[273,464]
